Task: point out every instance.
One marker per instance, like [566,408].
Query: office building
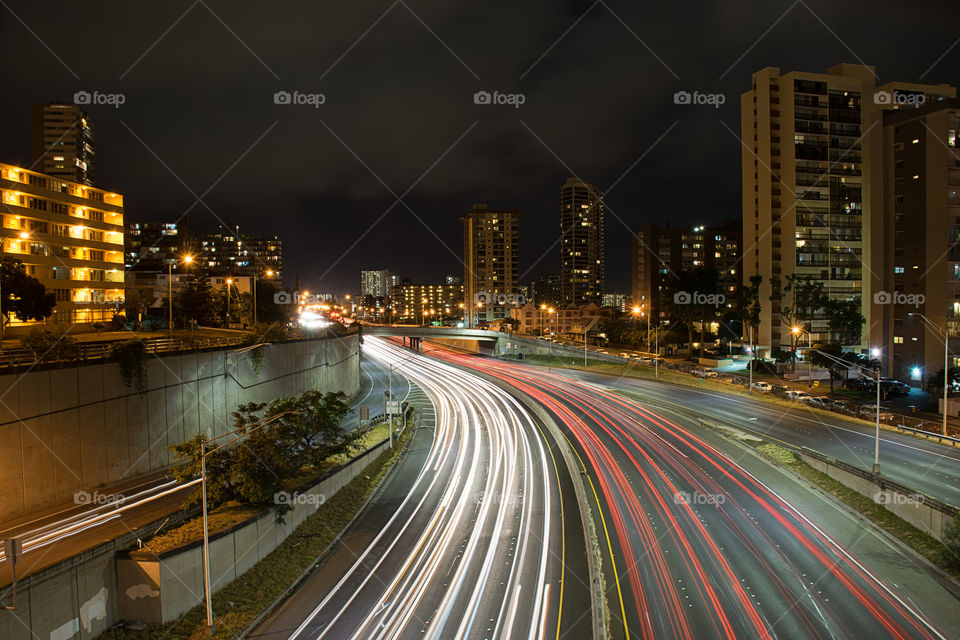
[62,141]
[920,292]
[69,236]
[659,251]
[581,243]
[375,283]
[812,169]
[491,263]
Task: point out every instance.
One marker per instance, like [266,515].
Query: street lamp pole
[211,630]
[238,434]
[390,406]
[170,295]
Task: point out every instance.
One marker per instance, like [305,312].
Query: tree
[799,298]
[22,295]
[845,320]
[195,300]
[693,295]
[256,468]
[750,307]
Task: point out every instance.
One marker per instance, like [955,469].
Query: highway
[700,547]
[477,534]
[922,465]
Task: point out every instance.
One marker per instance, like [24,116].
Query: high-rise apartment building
[69,236]
[491,263]
[376,283]
[581,243]
[659,251]
[62,140]
[545,289]
[812,170]
[236,254]
[416,303]
[919,296]
[150,246]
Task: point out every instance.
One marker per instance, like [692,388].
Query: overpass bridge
[479,340]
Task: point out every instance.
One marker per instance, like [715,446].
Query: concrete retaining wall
[928,514]
[63,430]
[73,600]
[154,588]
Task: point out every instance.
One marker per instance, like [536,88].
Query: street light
[229,284]
[268,273]
[797,331]
[187,259]
[239,433]
[946,362]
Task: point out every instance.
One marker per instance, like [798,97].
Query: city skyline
[170,140]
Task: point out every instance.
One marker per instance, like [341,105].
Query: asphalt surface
[475,535]
[921,465]
[698,546]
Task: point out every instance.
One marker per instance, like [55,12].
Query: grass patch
[924,544]
[232,513]
[238,604]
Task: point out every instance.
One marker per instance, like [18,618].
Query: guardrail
[101,350]
[929,434]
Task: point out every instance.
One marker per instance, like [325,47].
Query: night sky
[199,120]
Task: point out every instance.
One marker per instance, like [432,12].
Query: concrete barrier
[78,428]
[73,600]
[154,588]
[926,513]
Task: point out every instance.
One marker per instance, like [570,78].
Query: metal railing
[102,350]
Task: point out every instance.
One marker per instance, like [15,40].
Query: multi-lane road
[697,545]
[477,535]
[921,465]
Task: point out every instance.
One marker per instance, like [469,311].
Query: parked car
[763,386]
[894,387]
[853,384]
[700,372]
[797,394]
[820,402]
[779,389]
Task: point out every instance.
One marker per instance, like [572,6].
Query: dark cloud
[201,96]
